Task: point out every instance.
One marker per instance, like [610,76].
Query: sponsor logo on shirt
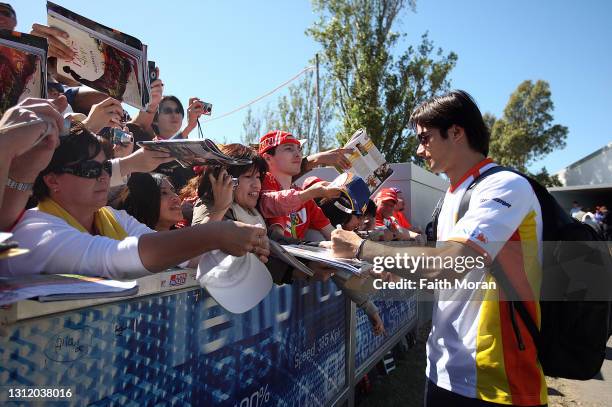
[477,234]
[501,201]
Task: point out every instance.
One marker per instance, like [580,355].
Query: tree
[526,133]
[371,87]
[296,113]
[254,126]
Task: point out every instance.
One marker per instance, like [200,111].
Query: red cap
[310,181]
[276,138]
[386,194]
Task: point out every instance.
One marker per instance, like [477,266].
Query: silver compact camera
[207,108]
[121,138]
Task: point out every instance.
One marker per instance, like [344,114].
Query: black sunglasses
[169,110]
[7,13]
[423,138]
[87,169]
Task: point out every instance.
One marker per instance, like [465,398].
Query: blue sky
[228,53]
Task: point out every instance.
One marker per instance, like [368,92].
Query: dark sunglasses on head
[7,13]
[169,110]
[87,169]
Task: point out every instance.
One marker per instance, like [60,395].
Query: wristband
[360,249]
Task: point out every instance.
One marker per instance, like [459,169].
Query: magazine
[54,287]
[106,59]
[193,152]
[23,68]
[279,252]
[323,255]
[366,161]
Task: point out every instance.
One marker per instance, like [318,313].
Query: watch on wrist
[19,186]
[359,251]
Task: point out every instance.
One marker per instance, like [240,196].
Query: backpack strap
[496,270]
[465,200]
[434,218]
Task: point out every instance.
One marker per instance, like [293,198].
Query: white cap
[237,283]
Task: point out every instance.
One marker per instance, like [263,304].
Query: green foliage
[373,85]
[525,133]
[544,178]
[295,113]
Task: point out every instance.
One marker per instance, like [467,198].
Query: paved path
[596,392]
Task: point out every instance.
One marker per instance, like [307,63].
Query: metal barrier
[302,345]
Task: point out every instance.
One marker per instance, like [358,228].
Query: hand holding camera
[123,142]
[223,191]
[107,113]
[196,109]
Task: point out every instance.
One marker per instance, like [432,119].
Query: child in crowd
[152,200]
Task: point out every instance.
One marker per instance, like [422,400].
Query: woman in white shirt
[72,231]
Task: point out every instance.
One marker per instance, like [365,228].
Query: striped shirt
[472,349]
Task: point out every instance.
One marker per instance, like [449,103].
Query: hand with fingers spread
[239,238]
[223,194]
[56,39]
[335,157]
[107,113]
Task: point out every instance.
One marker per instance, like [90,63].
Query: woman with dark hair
[232,193]
[72,231]
[169,117]
[224,189]
[152,200]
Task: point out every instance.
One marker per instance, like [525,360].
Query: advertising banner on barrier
[396,315]
[184,349]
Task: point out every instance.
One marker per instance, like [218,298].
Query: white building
[587,181]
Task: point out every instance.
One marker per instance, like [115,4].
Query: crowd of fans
[83,202]
[598,218]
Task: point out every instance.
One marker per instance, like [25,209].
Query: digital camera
[121,138]
[207,108]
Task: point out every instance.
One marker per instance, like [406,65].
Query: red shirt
[391,223]
[295,224]
[401,219]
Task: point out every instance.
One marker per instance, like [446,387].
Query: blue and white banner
[184,349]
[396,315]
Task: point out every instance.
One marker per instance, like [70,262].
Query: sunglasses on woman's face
[169,110]
[87,169]
[7,13]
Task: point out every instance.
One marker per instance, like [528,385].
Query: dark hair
[370,209]
[141,197]
[80,145]
[235,150]
[454,108]
[335,215]
[164,100]
[272,150]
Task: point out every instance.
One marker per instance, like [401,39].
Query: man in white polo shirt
[478,352]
